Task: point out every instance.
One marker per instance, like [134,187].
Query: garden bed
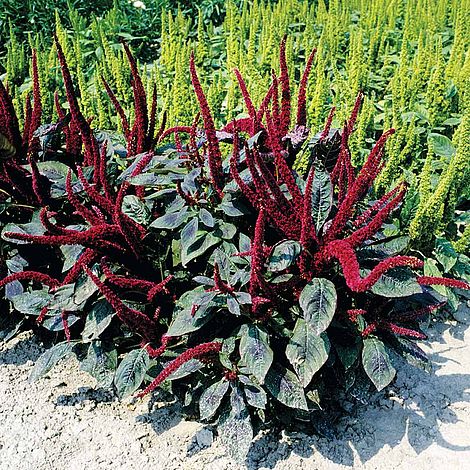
[62,422]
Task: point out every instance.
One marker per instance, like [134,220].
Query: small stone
[204,437]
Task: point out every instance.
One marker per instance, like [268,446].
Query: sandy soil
[61,422]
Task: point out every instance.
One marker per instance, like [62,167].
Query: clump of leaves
[250,293]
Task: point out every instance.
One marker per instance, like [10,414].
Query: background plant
[411,62]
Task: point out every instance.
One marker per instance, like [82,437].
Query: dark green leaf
[322,197]
[255,351]
[97,320]
[131,372]
[306,351]
[170,221]
[235,430]
[135,208]
[285,387]
[376,362]
[283,255]
[206,217]
[49,359]
[445,254]
[318,303]
[100,364]
[211,398]
[397,282]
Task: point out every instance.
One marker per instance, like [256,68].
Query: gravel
[61,421]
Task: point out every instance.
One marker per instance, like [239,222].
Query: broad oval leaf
[285,387]
[283,255]
[318,303]
[211,398]
[206,217]
[306,351]
[100,363]
[441,145]
[397,282]
[97,320]
[49,359]
[376,362]
[188,234]
[235,430]
[445,254]
[170,221]
[322,197]
[255,351]
[135,208]
[131,372]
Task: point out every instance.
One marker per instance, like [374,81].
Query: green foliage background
[410,57]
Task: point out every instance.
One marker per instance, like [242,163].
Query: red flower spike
[198,351]
[117,106]
[153,353]
[30,276]
[89,142]
[84,259]
[354,313]
[419,313]
[257,255]
[327,127]
[344,253]
[134,319]
[86,213]
[360,186]
[355,111]
[160,287]
[366,232]
[442,281]
[8,119]
[153,118]
[42,315]
[369,329]
[246,97]
[28,112]
[93,194]
[302,94]
[362,219]
[214,156]
[140,127]
[400,330]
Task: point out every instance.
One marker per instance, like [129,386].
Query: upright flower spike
[140,128]
[37,106]
[302,94]
[329,120]
[8,119]
[364,233]
[198,351]
[257,282]
[360,186]
[89,142]
[117,106]
[285,89]
[213,155]
[247,98]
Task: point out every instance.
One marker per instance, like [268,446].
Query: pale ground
[61,422]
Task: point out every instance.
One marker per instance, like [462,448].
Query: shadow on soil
[413,407]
